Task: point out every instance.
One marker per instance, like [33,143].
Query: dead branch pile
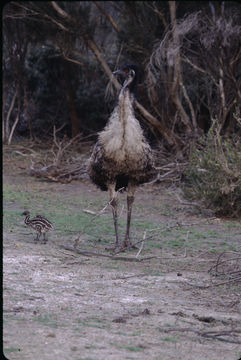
[228,266]
[170,167]
[62,162]
[225,271]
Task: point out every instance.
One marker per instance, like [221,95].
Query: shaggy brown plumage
[122,157]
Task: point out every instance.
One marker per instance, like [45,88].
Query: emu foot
[127,244]
[115,248]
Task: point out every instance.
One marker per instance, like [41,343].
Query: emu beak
[120,72]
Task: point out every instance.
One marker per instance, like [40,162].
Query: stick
[238,278]
[142,244]
[89,211]
[208,334]
[112,257]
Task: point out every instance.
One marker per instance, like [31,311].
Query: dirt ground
[162,304]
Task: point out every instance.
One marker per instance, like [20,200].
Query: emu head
[128,72]
[25,213]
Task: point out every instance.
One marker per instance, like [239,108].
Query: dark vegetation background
[58,59]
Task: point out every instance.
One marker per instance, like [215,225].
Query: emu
[39,223]
[122,157]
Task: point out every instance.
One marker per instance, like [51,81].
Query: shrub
[214,173]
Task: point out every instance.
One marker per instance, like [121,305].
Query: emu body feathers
[121,152]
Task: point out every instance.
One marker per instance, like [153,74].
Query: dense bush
[214,173]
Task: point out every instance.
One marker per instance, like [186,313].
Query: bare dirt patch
[63,305]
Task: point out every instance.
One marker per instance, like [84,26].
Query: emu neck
[125,107]
[27,221]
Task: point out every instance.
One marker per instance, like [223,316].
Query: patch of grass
[152,272]
[134,348]
[65,212]
[172,339]
[136,333]
[232,248]
[10,350]
[47,320]
[176,243]
[93,322]
[111,267]
[157,245]
[231,224]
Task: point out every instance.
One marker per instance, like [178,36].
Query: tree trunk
[7,127]
[13,128]
[177,71]
[70,95]
[27,112]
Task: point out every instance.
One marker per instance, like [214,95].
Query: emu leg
[44,238]
[130,200]
[113,203]
[37,238]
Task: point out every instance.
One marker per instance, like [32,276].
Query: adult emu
[122,158]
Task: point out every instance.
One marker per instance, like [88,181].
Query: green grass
[65,212]
[11,349]
[47,320]
[62,216]
[93,322]
[172,339]
[133,348]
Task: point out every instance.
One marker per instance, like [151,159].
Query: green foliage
[214,173]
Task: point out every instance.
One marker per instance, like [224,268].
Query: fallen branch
[216,335]
[112,257]
[238,278]
[89,211]
[142,244]
[184,202]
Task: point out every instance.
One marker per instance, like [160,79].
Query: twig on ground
[112,257]
[208,334]
[142,244]
[184,202]
[89,211]
[238,278]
